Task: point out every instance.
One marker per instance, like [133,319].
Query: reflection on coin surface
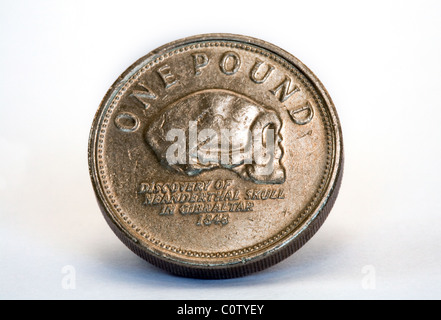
[216,156]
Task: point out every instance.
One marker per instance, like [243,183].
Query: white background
[381,63]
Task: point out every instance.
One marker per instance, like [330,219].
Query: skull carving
[208,115]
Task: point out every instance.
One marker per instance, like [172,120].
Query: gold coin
[216,156]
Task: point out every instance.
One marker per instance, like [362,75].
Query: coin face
[216,156]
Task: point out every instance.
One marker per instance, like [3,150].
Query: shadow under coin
[316,258]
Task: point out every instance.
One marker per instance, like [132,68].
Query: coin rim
[264,259]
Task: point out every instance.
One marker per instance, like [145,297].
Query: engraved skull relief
[214,129]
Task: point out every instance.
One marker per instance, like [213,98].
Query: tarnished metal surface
[185,196]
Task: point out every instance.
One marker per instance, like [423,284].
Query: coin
[216,156]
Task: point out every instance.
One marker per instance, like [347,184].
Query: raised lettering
[166,76]
[145,95]
[307,111]
[227,67]
[166,211]
[255,69]
[126,122]
[284,87]
[200,61]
